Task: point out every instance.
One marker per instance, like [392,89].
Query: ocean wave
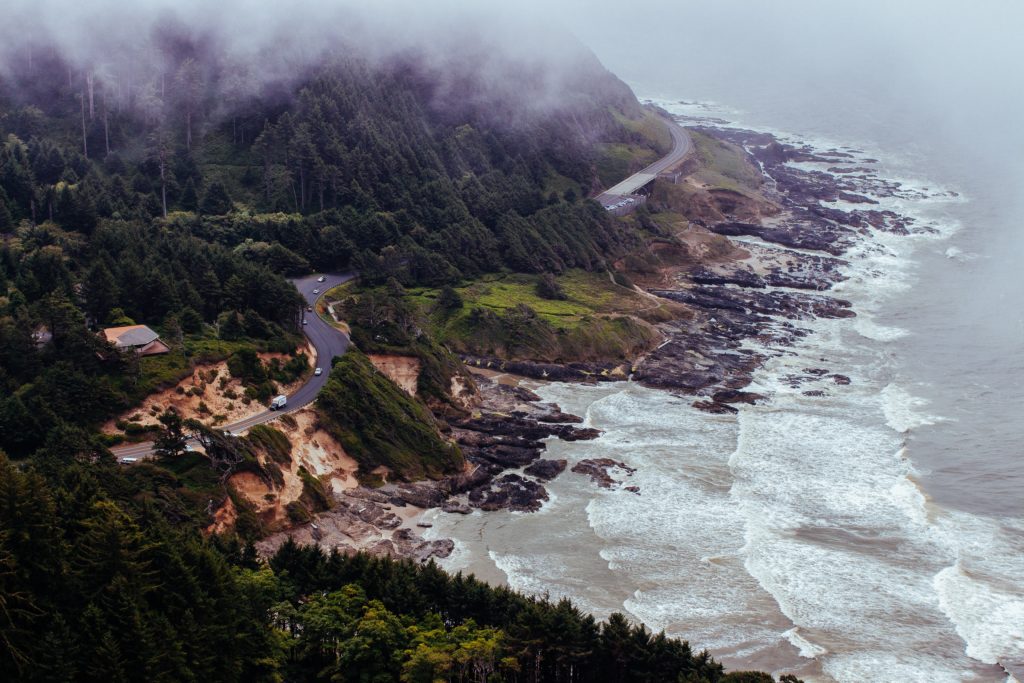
[903,411]
[991,621]
[806,647]
[797,526]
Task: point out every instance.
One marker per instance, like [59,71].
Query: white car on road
[318,372]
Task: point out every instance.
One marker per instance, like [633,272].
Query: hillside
[167,183]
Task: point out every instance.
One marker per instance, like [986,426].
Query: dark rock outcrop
[509,491]
[600,470]
[546,469]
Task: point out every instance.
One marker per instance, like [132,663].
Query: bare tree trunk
[188,130]
[90,83]
[106,125]
[161,144]
[85,141]
[266,174]
[163,185]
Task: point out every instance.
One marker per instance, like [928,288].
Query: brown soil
[312,448]
[205,383]
[224,518]
[402,370]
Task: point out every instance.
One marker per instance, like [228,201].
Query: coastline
[730,536]
[790,645]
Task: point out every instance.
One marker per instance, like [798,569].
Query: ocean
[875,533]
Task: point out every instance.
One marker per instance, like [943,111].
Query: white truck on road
[279,402]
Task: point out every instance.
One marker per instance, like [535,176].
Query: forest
[171,186]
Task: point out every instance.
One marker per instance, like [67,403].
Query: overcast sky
[944,62]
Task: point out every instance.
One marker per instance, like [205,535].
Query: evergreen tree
[189,197]
[231,328]
[172,440]
[216,201]
[449,300]
[101,292]
[6,220]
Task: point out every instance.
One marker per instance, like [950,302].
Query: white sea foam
[959,255]
[797,527]
[867,327]
[839,535]
[806,647]
[990,620]
[903,411]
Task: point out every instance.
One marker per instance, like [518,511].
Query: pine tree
[189,198]
[6,220]
[101,291]
[216,201]
[172,441]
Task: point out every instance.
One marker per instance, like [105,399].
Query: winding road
[326,340]
[329,341]
[681,146]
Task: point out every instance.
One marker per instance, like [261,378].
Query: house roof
[153,348]
[131,335]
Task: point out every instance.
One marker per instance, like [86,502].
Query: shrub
[449,299]
[548,288]
[379,424]
[136,429]
[110,440]
[297,512]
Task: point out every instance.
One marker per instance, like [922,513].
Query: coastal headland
[737,252]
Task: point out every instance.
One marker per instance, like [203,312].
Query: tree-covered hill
[387,164]
[160,179]
[95,587]
[168,184]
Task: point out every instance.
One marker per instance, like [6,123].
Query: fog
[939,81]
[942,62]
[947,64]
[262,42]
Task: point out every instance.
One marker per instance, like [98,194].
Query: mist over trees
[172,165]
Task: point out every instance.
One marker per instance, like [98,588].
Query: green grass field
[586,294]
[651,127]
[725,166]
[616,161]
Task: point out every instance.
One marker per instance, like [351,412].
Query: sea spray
[794,532]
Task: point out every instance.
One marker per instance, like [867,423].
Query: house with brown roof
[140,338]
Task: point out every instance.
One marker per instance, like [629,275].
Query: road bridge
[681,146]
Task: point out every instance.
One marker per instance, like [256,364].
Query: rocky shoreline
[502,441]
[742,310]
[760,298]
